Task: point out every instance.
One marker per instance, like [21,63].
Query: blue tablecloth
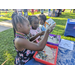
[33,62]
[70,28]
[64,57]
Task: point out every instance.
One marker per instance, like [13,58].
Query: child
[42,19]
[25,49]
[34,22]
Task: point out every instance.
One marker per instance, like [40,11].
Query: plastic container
[70,23]
[70,28]
[54,43]
[45,62]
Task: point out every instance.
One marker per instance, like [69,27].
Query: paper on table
[66,44]
[72,20]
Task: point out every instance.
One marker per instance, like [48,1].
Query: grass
[7,49]
[61,23]
[7,16]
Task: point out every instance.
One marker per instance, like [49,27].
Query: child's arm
[22,44]
[34,37]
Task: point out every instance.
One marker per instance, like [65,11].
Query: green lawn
[6,37]
[6,47]
[61,23]
[7,16]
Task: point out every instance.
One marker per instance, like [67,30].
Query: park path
[4,25]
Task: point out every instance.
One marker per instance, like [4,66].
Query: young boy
[42,19]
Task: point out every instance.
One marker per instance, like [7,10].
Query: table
[33,62]
[70,28]
[64,57]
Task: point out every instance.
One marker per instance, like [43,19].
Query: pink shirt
[34,32]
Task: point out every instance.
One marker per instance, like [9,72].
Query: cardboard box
[49,22]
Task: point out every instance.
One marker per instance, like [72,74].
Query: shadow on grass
[58,30]
[60,21]
[68,15]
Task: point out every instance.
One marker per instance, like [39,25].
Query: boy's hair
[43,17]
[31,18]
[18,19]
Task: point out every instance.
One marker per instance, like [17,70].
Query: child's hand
[50,28]
[42,33]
